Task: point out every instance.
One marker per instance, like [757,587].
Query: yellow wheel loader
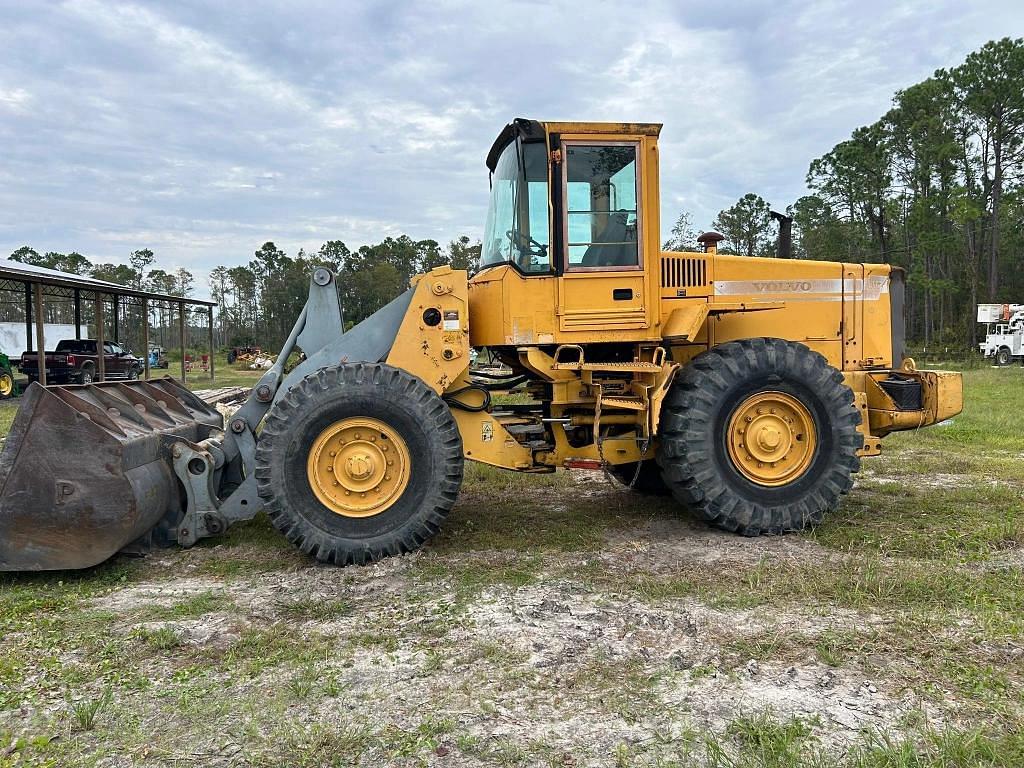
[747,388]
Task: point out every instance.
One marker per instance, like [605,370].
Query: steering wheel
[534,254]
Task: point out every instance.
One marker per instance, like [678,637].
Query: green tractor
[7,386]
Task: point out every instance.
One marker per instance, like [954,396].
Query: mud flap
[87,470]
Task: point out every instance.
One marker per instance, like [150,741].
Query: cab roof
[536,130]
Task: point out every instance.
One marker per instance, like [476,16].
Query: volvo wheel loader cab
[747,388]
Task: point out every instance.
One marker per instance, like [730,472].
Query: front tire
[358,462]
[760,436]
[1003,356]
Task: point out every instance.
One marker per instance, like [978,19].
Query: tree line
[935,186]
[258,302]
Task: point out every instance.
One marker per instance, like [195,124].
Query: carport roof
[29,273]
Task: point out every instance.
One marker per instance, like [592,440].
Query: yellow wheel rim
[358,467]
[771,438]
[6,384]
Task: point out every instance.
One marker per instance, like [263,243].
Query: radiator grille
[683,272]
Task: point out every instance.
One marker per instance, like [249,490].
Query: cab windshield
[517,220]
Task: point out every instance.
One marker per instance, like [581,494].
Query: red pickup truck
[74,361]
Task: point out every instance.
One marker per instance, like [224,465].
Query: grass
[87,710]
[917,580]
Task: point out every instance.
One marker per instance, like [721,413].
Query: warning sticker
[451,320]
[486,432]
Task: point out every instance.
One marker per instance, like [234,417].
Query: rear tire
[717,397]
[648,483]
[300,428]
[86,376]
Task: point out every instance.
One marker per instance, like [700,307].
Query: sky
[201,130]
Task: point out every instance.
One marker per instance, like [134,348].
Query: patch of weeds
[948,748]
[701,671]
[433,662]
[994,600]
[258,649]
[494,750]
[832,647]
[770,742]
[28,598]
[777,644]
[900,519]
[303,681]
[332,687]
[386,642]
[312,746]
[977,681]
[190,607]
[315,609]
[158,638]
[86,710]
[471,575]
[621,685]
[399,742]
[653,588]
[496,654]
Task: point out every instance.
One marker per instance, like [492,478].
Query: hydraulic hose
[453,402]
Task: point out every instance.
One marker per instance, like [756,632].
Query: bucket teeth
[85,471]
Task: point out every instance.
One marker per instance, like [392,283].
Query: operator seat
[613,247]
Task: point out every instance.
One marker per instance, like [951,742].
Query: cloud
[201,130]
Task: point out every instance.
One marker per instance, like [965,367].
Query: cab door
[603,285]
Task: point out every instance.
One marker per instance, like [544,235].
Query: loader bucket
[86,470]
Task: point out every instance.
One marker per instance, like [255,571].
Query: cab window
[602,209]
[517,219]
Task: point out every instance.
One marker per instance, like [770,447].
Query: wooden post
[78,314]
[28,317]
[209,323]
[145,336]
[40,333]
[101,358]
[181,331]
